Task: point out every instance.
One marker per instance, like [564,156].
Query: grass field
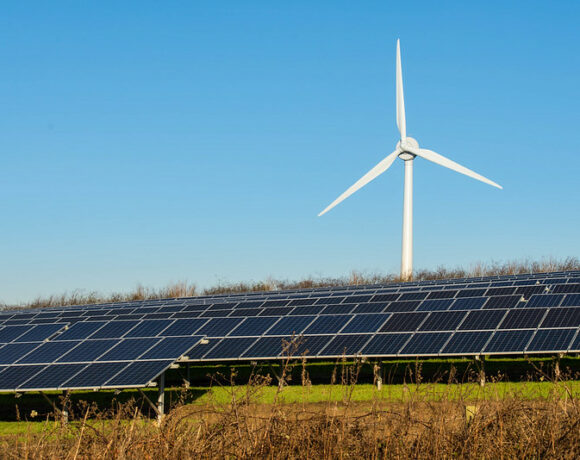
[343,420]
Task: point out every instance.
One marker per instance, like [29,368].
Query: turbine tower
[407,149]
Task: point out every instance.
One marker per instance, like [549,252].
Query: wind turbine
[407,149]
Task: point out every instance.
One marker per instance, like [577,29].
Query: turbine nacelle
[406,148]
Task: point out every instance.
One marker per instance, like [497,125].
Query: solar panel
[88,351]
[52,377]
[465,343]
[346,345]
[523,318]
[385,344]
[365,323]
[138,373]
[482,319]
[13,352]
[327,324]
[254,326]
[551,340]
[94,375]
[428,343]
[509,341]
[401,322]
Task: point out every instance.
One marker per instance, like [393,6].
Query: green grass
[392,393]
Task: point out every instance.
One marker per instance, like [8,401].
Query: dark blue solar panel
[471,293]
[503,291]
[563,288]
[467,342]
[308,345]
[12,352]
[275,303]
[172,348]
[523,319]
[139,373]
[251,304]
[482,319]
[254,326]
[345,345]
[376,307]
[183,327]
[327,324]
[443,321]
[230,348]
[148,328]
[113,330]
[265,347]
[576,344]
[545,300]
[186,314]
[385,297]
[413,295]
[428,343]
[87,351]
[551,340]
[94,375]
[402,322]
[53,376]
[275,311]
[366,323]
[308,310]
[436,304]
[338,309]
[509,341]
[571,300]
[216,313]
[9,333]
[219,327]
[528,291]
[14,376]
[291,325]
[468,303]
[129,349]
[246,312]
[562,317]
[49,352]
[385,344]
[410,305]
[508,301]
[442,294]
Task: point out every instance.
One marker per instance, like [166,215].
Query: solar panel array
[129,344]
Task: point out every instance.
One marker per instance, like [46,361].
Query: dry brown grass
[185,289]
[415,428]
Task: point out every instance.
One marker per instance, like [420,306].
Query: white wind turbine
[407,149]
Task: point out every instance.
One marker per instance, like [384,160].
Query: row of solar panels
[572,278]
[366,304]
[124,374]
[130,344]
[27,338]
[392,345]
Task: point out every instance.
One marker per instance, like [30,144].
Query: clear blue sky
[150,142]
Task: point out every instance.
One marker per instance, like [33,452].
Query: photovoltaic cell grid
[131,343]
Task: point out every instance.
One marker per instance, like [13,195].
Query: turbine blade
[442,161]
[401,122]
[380,168]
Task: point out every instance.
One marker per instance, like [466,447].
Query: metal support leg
[378,371]
[557,372]
[188,373]
[161,399]
[479,360]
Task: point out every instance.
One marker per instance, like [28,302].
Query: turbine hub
[405,146]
